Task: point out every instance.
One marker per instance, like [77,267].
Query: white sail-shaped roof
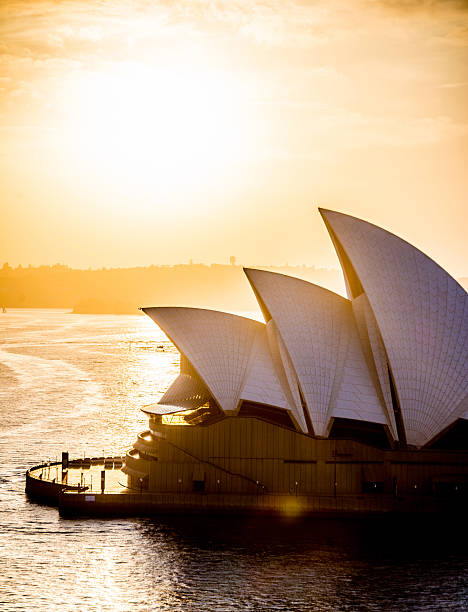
[186,391]
[224,356]
[285,373]
[321,340]
[355,395]
[217,344]
[259,385]
[375,355]
[262,383]
[422,316]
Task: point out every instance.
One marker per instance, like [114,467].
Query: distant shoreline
[123,290]
[72,311]
[102,307]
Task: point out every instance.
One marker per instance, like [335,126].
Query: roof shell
[186,391]
[223,354]
[422,316]
[217,344]
[321,339]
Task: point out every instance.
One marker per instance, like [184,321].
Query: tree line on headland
[124,290]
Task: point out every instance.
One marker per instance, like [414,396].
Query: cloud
[80,29]
[366,59]
[425,5]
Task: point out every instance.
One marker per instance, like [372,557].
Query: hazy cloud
[425,5]
[356,101]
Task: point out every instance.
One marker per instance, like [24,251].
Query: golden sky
[141,132]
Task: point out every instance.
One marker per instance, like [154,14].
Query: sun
[179,125]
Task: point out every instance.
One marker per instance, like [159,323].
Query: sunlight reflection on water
[77,382]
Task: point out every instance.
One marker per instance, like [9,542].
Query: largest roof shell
[422,315]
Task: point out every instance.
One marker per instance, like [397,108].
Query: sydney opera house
[364,398]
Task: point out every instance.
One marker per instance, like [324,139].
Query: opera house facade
[357,403]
